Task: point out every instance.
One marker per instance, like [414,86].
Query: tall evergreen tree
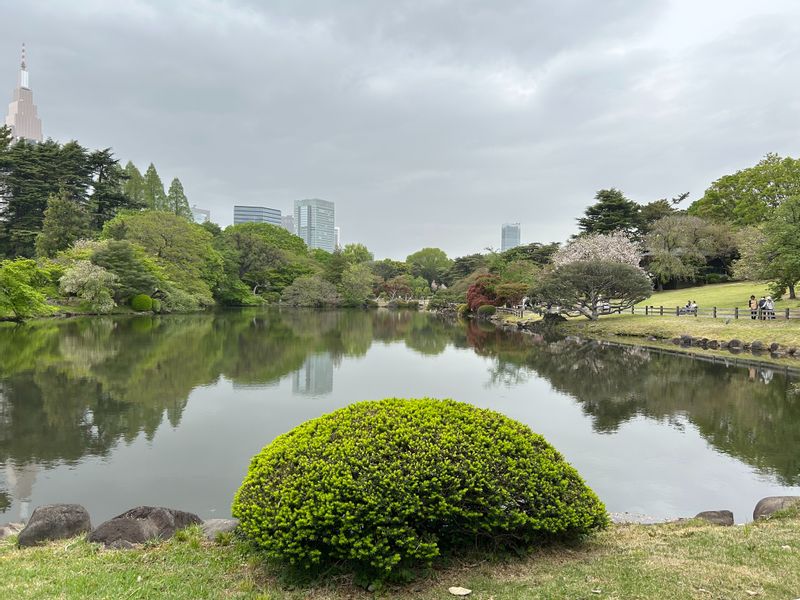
[134,184]
[177,202]
[612,212]
[110,182]
[153,190]
[65,221]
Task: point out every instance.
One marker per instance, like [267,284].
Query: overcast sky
[428,122]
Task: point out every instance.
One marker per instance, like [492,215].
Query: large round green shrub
[142,303]
[486,310]
[387,483]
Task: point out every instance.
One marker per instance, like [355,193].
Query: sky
[427,122]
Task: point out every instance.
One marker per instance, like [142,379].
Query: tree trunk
[660,286]
[792,295]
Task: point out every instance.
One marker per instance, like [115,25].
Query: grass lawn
[721,295]
[678,560]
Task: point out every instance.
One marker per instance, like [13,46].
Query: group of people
[690,308]
[764,308]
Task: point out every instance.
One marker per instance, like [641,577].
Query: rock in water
[716,517]
[55,522]
[213,527]
[770,504]
[143,523]
[459,591]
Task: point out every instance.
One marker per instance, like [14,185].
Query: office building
[314,219]
[256,214]
[315,377]
[22,117]
[510,236]
[288,223]
[201,215]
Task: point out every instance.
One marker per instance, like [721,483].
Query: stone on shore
[771,504]
[141,524]
[9,529]
[55,522]
[213,527]
[716,517]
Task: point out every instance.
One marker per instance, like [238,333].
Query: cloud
[427,122]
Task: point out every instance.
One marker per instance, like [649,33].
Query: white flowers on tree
[613,247]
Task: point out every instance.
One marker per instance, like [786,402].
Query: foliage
[615,247]
[482,291]
[135,272]
[64,223]
[133,187]
[612,212]
[357,284]
[429,263]
[91,283]
[486,310]
[153,190]
[586,287]
[464,265]
[357,253]
[381,485]
[681,246]
[539,254]
[177,203]
[21,281]
[311,291]
[511,292]
[142,303]
[750,196]
[388,268]
[462,310]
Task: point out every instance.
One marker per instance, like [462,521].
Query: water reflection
[82,389]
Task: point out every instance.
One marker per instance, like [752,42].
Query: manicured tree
[64,223]
[483,291]
[177,203]
[585,287]
[612,212]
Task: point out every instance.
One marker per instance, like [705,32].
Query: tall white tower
[22,117]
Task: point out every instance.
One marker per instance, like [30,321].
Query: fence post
[677,311]
[787,314]
[736,312]
[714,311]
[661,311]
[646,310]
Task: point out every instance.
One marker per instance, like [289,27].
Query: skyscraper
[288,223]
[256,214]
[314,219]
[22,117]
[200,215]
[509,237]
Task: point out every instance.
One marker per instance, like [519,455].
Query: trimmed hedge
[380,485]
[486,310]
[142,303]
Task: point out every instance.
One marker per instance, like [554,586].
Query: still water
[116,412]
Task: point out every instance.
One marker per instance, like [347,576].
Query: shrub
[717,278]
[463,310]
[486,310]
[381,485]
[156,305]
[142,303]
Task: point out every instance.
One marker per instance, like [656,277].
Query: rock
[121,545]
[791,351]
[716,517]
[143,523]
[686,340]
[757,346]
[723,344]
[8,529]
[771,504]
[55,522]
[713,344]
[734,343]
[773,347]
[676,340]
[459,591]
[213,527]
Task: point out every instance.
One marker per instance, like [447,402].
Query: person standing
[769,304]
[761,302]
[753,304]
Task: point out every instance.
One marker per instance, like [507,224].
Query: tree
[400,286]
[540,254]
[681,246]
[109,197]
[429,263]
[586,287]
[177,203]
[656,210]
[310,291]
[20,289]
[91,283]
[615,247]
[612,212]
[357,253]
[388,268]
[750,196]
[335,267]
[135,273]
[483,291]
[463,266]
[64,223]
[133,187]
[357,284]
[153,190]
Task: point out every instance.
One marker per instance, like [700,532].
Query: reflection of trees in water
[752,417]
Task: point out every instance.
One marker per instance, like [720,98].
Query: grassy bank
[721,295]
[678,560]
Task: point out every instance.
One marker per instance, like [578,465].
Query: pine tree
[176,200]
[154,196]
[134,185]
[65,221]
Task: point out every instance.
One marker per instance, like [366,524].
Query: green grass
[721,295]
[677,560]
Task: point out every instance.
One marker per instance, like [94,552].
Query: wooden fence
[715,312]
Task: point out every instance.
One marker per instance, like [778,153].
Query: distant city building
[201,215]
[314,219]
[256,214]
[510,236]
[315,377]
[337,233]
[22,117]
[288,223]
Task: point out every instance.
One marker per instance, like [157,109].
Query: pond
[116,412]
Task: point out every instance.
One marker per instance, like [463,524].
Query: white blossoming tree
[613,247]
